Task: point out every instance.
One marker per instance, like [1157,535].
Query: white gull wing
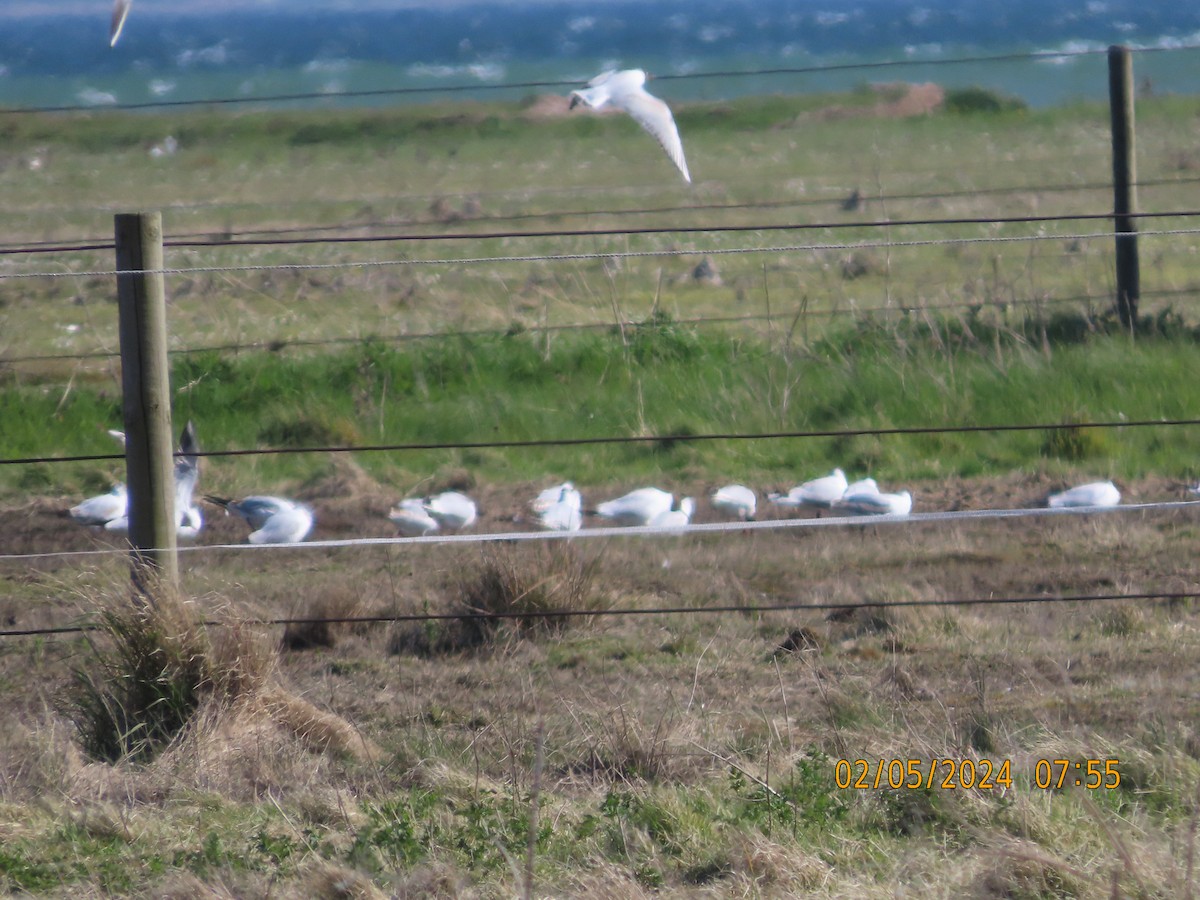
[597,92]
[189,524]
[637,507]
[564,515]
[256,510]
[411,519]
[655,116]
[675,518]
[452,509]
[187,474]
[863,486]
[875,503]
[625,91]
[102,509]
[550,496]
[821,492]
[288,526]
[119,13]
[736,501]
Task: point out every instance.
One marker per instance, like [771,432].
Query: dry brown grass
[510,593]
[666,710]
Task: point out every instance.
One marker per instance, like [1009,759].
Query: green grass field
[685,753]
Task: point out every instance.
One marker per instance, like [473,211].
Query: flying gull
[625,90]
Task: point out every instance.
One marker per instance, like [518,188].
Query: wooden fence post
[145,382]
[1124,159]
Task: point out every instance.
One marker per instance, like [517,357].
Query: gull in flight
[1098,493]
[637,507]
[275,520]
[626,91]
[111,510]
[120,11]
[411,519]
[188,520]
[451,510]
[565,513]
[736,501]
[876,503]
[820,492]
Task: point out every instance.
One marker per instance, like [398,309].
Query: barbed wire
[560,84]
[745,609]
[609,255]
[607,532]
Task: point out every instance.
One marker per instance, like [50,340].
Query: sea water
[336,53]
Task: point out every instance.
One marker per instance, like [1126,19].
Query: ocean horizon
[1052,50]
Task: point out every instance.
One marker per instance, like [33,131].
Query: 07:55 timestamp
[1092,774]
[982,774]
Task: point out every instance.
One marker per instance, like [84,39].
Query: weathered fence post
[145,382]
[1124,157]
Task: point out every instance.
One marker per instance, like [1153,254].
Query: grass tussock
[512,593]
[155,672]
[143,679]
[318,626]
[1024,870]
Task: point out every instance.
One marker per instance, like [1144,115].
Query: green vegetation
[982,100]
[667,379]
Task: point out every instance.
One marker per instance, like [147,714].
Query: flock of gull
[558,508]
[280,520]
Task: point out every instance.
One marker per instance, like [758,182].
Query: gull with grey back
[274,520]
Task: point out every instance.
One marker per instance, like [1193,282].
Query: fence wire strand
[742,609]
[647,531]
[526,444]
[609,255]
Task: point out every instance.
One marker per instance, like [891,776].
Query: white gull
[551,495]
[675,518]
[1097,493]
[451,509]
[876,503]
[275,520]
[820,492]
[411,519]
[566,513]
[637,507]
[736,501]
[625,90]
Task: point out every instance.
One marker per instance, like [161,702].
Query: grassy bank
[658,378]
